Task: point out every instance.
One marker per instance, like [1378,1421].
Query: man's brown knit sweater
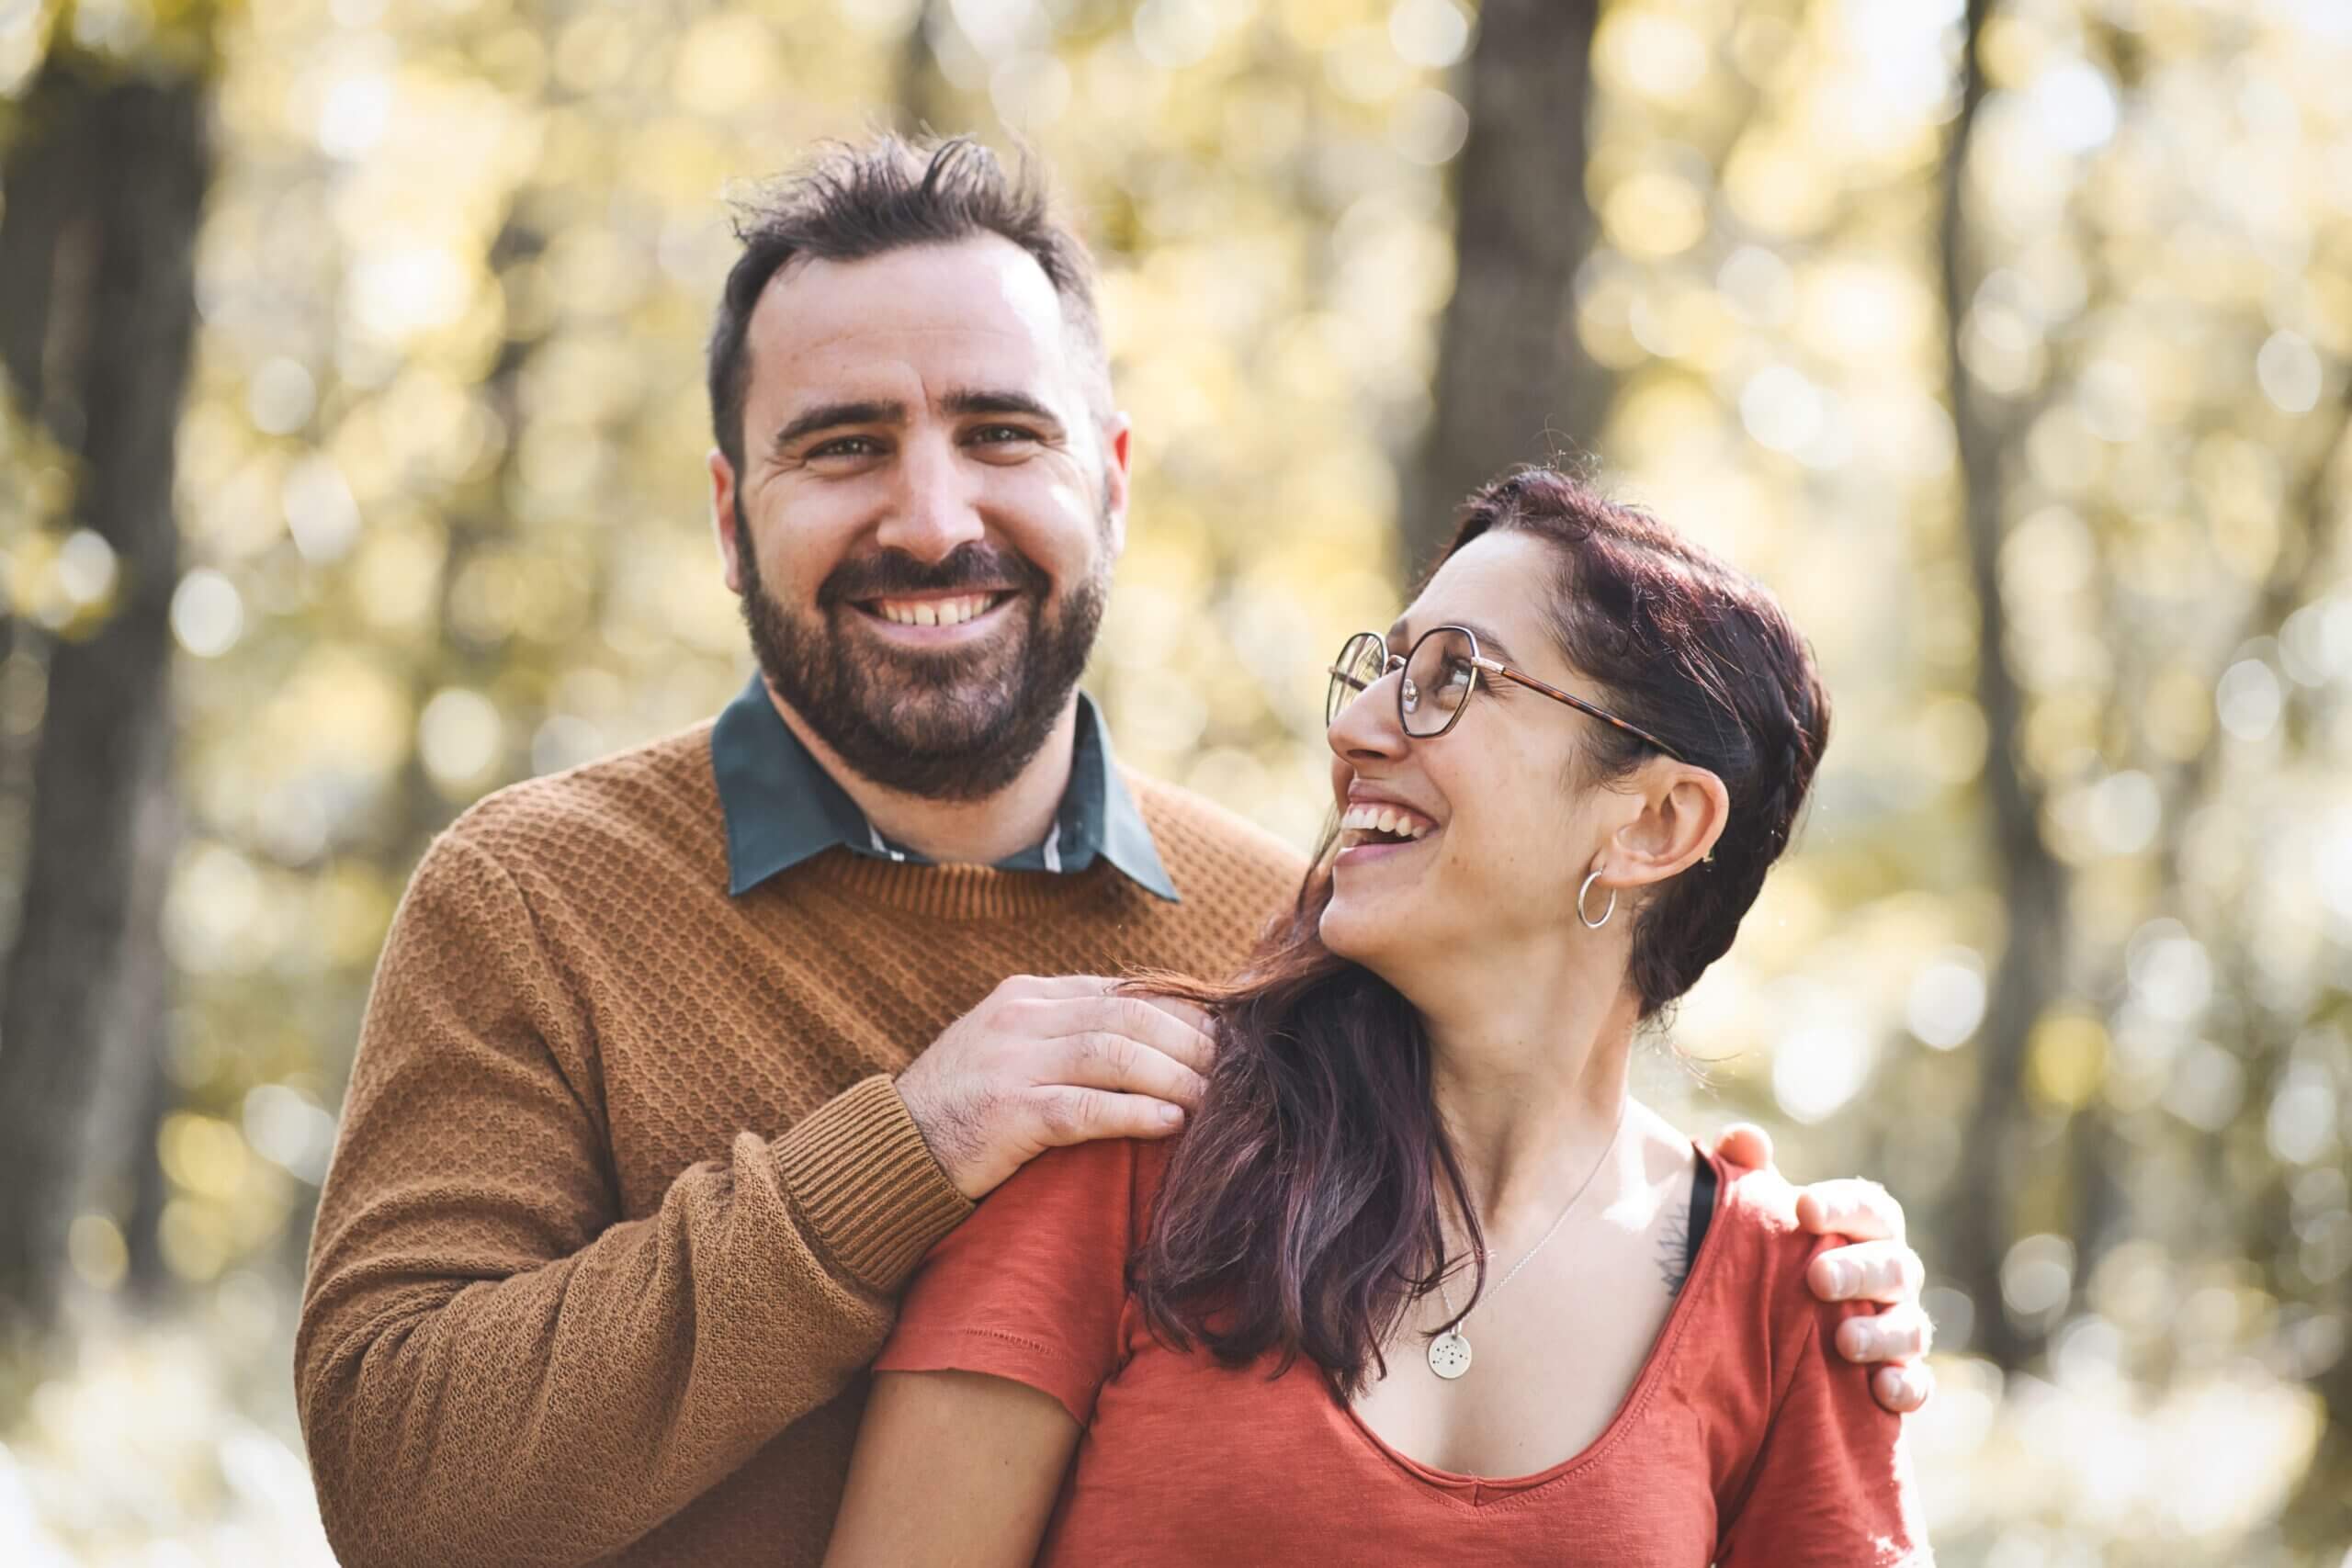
[624,1193]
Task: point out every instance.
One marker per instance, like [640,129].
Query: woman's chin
[1353,930]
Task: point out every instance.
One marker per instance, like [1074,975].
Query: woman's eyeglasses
[1440,676]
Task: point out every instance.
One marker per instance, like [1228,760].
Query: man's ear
[722,518]
[1117,432]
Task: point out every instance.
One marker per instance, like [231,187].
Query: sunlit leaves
[447,527]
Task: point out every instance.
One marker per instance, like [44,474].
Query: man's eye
[1001,434]
[845,446]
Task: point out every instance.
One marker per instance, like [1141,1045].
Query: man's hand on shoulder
[1876,1265]
[1042,1063]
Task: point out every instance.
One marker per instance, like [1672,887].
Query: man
[676,1063]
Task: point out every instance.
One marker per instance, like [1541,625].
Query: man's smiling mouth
[935,611]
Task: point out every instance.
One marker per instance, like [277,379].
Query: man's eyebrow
[1493,646]
[825,417]
[998,400]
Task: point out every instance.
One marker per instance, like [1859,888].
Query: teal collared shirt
[782,807]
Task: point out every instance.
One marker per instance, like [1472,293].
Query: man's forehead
[981,296]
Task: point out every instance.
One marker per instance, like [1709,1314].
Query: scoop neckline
[1469,1492]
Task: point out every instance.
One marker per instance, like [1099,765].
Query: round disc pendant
[1450,1355]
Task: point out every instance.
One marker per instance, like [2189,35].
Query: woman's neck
[1532,1083]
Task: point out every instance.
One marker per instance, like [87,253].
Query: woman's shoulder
[1756,1212]
[1750,1272]
[1081,1183]
[1759,1202]
[1050,1241]
[1032,1285]
[1748,1234]
[1091,1166]
[1748,1321]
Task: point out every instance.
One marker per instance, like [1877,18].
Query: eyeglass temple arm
[1496,667]
[1493,667]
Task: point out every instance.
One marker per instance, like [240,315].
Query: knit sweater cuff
[868,1186]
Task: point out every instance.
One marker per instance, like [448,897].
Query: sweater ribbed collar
[956,893]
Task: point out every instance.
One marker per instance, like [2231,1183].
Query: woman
[1421,1282]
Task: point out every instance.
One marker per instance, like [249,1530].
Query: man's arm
[1876,1265]
[492,1366]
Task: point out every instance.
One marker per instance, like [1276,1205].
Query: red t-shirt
[1745,1440]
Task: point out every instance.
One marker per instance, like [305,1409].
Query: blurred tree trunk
[105,179]
[478,520]
[1513,383]
[2033,882]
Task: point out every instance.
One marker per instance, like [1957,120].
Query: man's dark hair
[865,199]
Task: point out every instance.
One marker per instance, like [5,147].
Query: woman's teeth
[933,611]
[1385,820]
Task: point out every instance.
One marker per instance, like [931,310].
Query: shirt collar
[782,807]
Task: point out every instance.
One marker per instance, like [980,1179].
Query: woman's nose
[1368,726]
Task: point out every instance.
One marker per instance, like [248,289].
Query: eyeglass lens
[1437,678]
[1363,660]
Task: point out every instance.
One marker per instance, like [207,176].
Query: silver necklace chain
[1450,1352]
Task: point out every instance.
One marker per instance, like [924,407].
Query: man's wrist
[867,1186]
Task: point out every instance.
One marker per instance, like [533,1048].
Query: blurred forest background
[350,468]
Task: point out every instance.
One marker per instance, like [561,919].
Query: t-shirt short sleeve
[1032,1286]
[1832,1485]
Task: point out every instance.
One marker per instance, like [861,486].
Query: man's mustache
[976,567]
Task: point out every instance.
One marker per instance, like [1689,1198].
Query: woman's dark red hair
[1300,1212]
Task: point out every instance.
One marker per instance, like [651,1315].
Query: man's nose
[936,507]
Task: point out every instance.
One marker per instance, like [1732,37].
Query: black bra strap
[1703,1210]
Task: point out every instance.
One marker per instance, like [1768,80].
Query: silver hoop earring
[1589,923]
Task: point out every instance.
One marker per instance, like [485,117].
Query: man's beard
[959,724]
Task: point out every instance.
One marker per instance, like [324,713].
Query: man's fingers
[1189,1013]
[1068,1115]
[1061,987]
[1885,1271]
[1099,1059]
[1142,1022]
[1853,1207]
[1745,1143]
[1903,1388]
[1898,1334]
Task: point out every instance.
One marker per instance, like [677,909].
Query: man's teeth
[1384,819]
[933,612]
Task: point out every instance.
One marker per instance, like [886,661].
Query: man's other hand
[1046,1062]
[1876,1265]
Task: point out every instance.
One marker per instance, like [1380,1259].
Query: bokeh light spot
[208,614]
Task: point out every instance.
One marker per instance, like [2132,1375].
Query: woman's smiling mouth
[1369,829]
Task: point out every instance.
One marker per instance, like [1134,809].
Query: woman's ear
[1684,810]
